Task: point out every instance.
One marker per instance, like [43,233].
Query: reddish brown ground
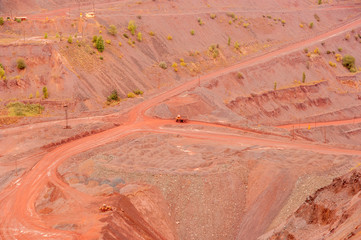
[242,165]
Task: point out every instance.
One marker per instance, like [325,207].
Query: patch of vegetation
[140,37]
[319,2]
[100,44]
[169,37]
[236,45]
[45,35]
[2,72]
[339,49]
[132,27]
[120,44]
[348,62]
[338,57]
[95,38]
[24,110]
[163,65]
[113,96]
[108,41]
[175,66]
[200,22]
[1,21]
[245,25]
[125,35]
[332,64]
[192,32]
[70,39]
[229,41]
[151,33]
[305,50]
[316,51]
[138,92]
[213,49]
[101,58]
[310,25]
[112,30]
[45,93]
[275,86]
[213,16]
[18,20]
[131,95]
[240,75]
[21,63]
[301,25]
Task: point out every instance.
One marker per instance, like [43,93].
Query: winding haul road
[18,216]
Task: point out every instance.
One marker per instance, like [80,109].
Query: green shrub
[169,37]
[132,27]
[131,95]
[57,35]
[240,75]
[319,2]
[140,37]
[113,96]
[200,22]
[24,110]
[45,35]
[275,86]
[213,49]
[236,45]
[100,44]
[229,41]
[339,49]
[21,63]
[213,16]
[192,32]
[151,33]
[18,20]
[108,41]
[70,39]
[1,21]
[95,38]
[125,35]
[348,62]
[138,92]
[2,72]
[45,93]
[310,25]
[163,65]
[101,58]
[112,30]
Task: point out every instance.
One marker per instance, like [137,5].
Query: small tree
[100,44]
[2,72]
[132,27]
[1,21]
[45,93]
[348,61]
[113,96]
[112,30]
[140,37]
[21,63]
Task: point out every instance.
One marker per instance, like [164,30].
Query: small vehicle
[181,119]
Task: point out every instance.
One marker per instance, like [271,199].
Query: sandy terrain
[263,151]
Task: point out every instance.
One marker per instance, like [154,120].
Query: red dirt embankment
[332,212]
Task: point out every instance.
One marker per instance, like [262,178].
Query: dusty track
[19,219]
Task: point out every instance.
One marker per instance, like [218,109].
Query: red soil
[212,178]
